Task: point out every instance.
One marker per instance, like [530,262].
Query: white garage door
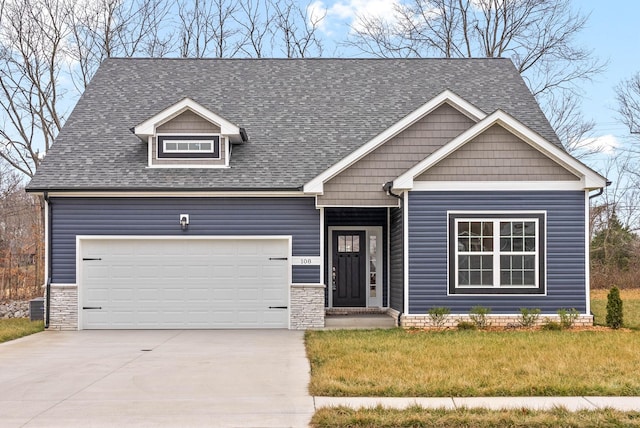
[184,283]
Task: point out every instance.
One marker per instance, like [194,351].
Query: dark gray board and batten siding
[70,217]
[565,280]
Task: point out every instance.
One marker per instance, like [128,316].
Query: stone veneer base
[63,314]
[306,309]
[423,321]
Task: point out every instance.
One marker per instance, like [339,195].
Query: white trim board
[177,194]
[546,186]
[589,178]
[316,185]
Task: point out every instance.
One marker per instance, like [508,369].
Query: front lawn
[14,328]
[416,417]
[398,363]
[630,307]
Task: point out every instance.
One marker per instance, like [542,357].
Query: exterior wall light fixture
[184,221]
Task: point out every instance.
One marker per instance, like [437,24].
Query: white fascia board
[148,127]
[497,185]
[316,185]
[589,178]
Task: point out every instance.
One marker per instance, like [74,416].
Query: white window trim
[212,143]
[519,215]
[189,134]
[496,253]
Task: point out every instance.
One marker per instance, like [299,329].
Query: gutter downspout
[49,264]
[601,191]
[387,187]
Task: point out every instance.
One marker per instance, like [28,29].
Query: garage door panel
[202,283]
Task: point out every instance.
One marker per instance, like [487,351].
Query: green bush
[568,317]
[551,325]
[614,309]
[478,315]
[466,325]
[529,317]
[438,315]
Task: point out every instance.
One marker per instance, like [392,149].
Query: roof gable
[316,185]
[149,126]
[590,179]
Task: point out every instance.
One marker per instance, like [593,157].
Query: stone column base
[63,314]
[307,306]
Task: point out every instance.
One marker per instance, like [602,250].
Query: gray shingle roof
[301,115]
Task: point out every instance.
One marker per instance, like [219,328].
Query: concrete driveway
[166,378]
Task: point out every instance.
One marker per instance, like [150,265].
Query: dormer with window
[187,135]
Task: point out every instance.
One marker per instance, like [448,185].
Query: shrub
[551,325]
[466,325]
[438,315]
[614,309]
[529,317]
[568,317]
[478,315]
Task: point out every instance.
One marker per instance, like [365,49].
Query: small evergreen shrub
[466,325]
[438,315]
[529,317]
[568,317]
[614,309]
[478,315]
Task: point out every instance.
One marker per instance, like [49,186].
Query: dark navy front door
[348,273]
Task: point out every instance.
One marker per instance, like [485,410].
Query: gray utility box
[36,309]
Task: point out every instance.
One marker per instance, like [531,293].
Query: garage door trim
[81,238]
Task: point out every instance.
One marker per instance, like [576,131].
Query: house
[259,193]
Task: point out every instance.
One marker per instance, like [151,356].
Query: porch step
[358,321]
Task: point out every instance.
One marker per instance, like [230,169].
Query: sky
[612,33]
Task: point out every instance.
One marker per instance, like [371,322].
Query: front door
[348,273]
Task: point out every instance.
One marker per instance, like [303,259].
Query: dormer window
[192,146]
[187,135]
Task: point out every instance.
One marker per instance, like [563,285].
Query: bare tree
[101,29]
[628,98]
[573,129]
[31,59]
[296,29]
[254,19]
[205,28]
[538,36]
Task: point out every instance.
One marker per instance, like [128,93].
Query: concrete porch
[357,318]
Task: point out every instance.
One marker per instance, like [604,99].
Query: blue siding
[297,217]
[565,249]
[358,217]
[397,260]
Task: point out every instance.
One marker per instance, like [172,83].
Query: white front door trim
[372,302]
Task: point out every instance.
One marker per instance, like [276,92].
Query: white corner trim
[589,178]
[148,127]
[316,185]
[405,249]
[587,254]
[497,185]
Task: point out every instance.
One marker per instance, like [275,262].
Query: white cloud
[605,144]
[351,10]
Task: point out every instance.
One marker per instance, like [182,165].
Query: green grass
[630,307]
[333,417]
[14,328]
[473,363]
